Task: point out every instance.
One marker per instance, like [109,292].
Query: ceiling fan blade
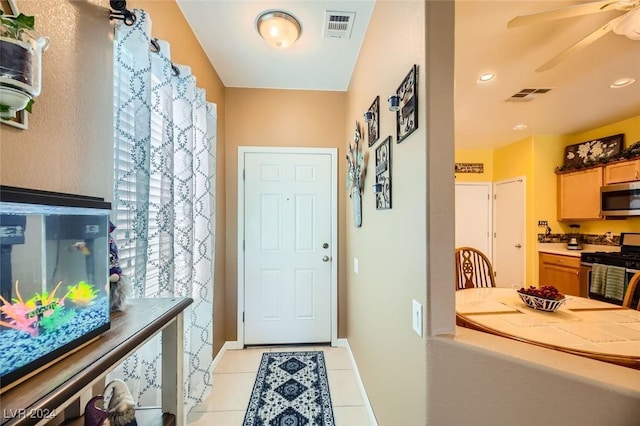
[579,45]
[563,12]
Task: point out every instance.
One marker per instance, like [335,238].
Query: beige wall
[390,245]
[69,144]
[282,118]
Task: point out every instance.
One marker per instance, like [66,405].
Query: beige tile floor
[233,381]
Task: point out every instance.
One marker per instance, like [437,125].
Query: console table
[42,397]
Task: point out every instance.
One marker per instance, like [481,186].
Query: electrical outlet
[543,223]
[356,265]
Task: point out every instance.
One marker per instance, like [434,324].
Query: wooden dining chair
[473,269]
[631,289]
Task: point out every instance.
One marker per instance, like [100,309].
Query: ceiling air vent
[338,24]
[528,94]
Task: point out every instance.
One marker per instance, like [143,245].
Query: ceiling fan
[627,24]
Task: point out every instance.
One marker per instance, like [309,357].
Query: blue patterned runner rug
[291,389]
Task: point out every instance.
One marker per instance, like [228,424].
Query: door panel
[287,219]
[509,245]
[473,216]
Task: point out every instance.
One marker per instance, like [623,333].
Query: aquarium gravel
[19,348]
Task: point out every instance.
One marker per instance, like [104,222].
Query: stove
[625,260]
[628,257]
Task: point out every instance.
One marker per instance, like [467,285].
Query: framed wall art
[382,187]
[373,126]
[593,151]
[407,115]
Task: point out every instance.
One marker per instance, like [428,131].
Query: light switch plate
[356,267]
[417,318]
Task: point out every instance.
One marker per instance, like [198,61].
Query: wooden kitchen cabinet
[623,171]
[562,272]
[579,194]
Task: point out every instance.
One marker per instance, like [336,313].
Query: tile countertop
[561,248]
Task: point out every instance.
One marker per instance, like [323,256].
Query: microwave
[622,199]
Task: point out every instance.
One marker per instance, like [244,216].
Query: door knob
[326,258]
[518,245]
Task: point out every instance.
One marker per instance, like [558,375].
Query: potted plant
[20,58]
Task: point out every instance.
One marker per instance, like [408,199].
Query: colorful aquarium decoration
[82,294]
[54,291]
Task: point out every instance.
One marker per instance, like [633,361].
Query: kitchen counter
[561,249]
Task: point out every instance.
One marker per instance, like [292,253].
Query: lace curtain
[164,201]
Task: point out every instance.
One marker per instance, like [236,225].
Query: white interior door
[288,247]
[509,237]
[473,216]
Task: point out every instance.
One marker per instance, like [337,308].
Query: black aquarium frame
[13,194]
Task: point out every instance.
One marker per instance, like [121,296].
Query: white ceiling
[227,31]
[580,98]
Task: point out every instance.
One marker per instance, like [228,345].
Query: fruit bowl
[545,298]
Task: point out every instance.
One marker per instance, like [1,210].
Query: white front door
[288,247]
[473,216]
[508,225]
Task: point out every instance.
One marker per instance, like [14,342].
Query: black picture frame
[373,127]
[407,115]
[383,175]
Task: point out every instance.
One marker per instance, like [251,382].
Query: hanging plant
[20,50]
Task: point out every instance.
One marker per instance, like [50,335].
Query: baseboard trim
[363,391]
[227,346]
[342,343]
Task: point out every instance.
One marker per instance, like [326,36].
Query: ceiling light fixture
[622,82]
[486,77]
[520,126]
[278,28]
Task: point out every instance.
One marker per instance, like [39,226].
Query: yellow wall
[630,127]
[69,144]
[390,245]
[484,156]
[289,118]
[546,151]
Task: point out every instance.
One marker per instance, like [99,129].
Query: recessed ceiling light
[520,126]
[622,82]
[486,77]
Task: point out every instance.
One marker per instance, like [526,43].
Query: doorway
[473,216]
[287,245]
[509,245]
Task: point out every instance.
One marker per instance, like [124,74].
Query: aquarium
[54,286]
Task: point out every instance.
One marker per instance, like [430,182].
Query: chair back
[473,269]
[631,289]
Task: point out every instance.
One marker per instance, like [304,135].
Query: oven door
[585,282]
[585,279]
